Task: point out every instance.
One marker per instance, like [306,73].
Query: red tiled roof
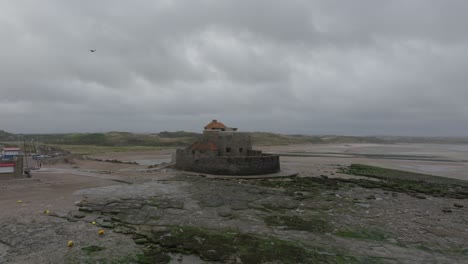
[215,125]
[204,146]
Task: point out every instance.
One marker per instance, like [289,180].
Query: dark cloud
[321,67]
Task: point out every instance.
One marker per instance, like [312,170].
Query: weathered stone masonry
[225,151]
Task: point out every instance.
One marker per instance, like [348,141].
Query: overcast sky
[290,66]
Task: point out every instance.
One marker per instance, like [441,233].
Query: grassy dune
[182,138]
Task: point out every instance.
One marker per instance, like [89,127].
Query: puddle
[152,161]
[429,168]
[186,259]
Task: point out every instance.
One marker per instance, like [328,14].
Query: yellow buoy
[19,201]
[93,222]
[46,212]
[101,232]
[70,243]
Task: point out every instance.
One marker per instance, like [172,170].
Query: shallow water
[148,162]
[437,159]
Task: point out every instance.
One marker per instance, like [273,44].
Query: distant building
[10,153]
[223,150]
[11,163]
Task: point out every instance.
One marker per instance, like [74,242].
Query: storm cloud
[311,67]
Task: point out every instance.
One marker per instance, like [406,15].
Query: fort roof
[215,125]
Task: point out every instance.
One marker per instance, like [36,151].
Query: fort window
[228,149]
[193,151]
[240,150]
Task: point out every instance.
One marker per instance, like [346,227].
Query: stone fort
[225,151]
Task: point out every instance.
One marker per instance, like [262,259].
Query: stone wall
[185,158]
[225,165]
[233,143]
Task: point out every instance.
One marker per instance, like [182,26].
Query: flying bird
[92,50]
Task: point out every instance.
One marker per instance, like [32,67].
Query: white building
[7,168]
[10,153]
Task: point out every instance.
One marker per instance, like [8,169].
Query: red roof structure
[215,125]
[12,149]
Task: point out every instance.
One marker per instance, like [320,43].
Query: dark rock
[225,212]
[116,219]
[364,205]
[239,206]
[211,255]
[71,219]
[169,241]
[85,209]
[123,230]
[140,241]
[92,248]
[446,210]
[370,197]
[108,225]
[213,203]
[104,224]
[419,196]
[457,205]
[169,203]
[79,215]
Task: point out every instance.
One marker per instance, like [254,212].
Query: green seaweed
[407,182]
[297,223]
[371,234]
[224,245]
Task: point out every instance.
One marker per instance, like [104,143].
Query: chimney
[214,120]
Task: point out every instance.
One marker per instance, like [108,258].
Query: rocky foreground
[192,219]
